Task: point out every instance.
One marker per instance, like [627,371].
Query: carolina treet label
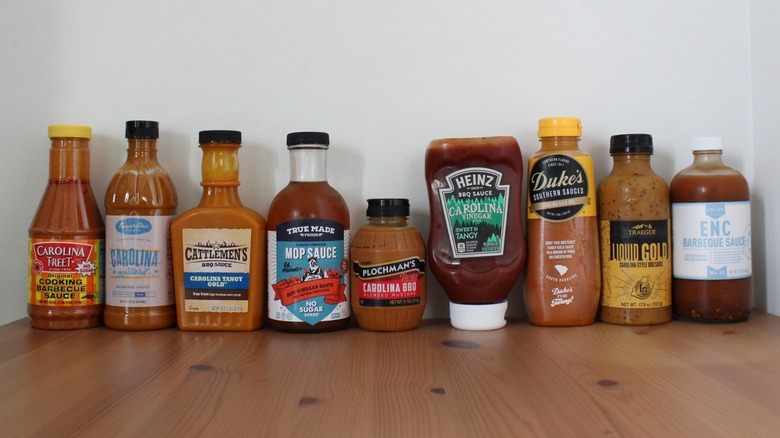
[66,272]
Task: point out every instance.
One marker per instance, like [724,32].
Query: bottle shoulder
[139,190]
[308,200]
[220,217]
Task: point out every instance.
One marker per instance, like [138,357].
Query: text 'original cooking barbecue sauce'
[563,278]
[66,239]
[711,238]
[476,247]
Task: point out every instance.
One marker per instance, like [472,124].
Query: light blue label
[133,226]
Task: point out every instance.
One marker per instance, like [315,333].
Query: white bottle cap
[707,144]
[478,316]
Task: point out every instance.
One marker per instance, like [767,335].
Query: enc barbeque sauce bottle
[308,244]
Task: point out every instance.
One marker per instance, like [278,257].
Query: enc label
[711,240]
[66,273]
[308,264]
[216,269]
[475,205]
[139,268]
[392,284]
[559,188]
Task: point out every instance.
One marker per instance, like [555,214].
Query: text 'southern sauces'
[476,248]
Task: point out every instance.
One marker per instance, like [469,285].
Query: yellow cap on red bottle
[560,127]
[70,131]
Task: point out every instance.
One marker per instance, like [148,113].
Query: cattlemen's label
[138,263]
[560,187]
[391,284]
[636,263]
[66,273]
[307,266]
[475,205]
[216,269]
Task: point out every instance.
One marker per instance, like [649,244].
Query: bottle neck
[708,158]
[142,149]
[219,170]
[69,159]
[560,143]
[632,159]
[387,221]
[308,165]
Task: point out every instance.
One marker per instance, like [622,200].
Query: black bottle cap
[219,136]
[631,143]
[142,129]
[387,207]
[309,139]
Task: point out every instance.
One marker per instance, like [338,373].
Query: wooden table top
[678,379]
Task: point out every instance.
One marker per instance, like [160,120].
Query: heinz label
[475,205]
[391,284]
[308,265]
[66,273]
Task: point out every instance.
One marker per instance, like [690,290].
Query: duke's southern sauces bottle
[308,244]
[563,277]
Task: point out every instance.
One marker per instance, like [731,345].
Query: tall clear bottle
[711,238]
[140,204]
[563,276]
[308,244]
[219,248]
[66,239]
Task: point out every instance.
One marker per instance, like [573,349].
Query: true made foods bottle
[635,232]
[140,204]
[219,247]
[563,276]
[476,248]
[711,243]
[308,244]
[389,285]
[66,238]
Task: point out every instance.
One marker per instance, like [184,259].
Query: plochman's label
[66,272]
[391,284]
[216,269]
[561,187]
[308,264]
[475,202]
[138,263]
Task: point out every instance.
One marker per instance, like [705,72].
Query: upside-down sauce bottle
[563,276]
[389,287]
[66,239]
[308,244]
[635,232]
[711,238]
[476,248]
[219,248]
[140,204]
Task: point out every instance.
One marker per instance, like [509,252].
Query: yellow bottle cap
[560,127]
[71,131]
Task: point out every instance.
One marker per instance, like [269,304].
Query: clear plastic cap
[707,144]
[478,316]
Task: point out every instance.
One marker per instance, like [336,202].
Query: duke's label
[138,261]
[216,269]
[636,264]
[391,284]
[66,273]
[475,210]
[308,265]
[711,240]
[560,187]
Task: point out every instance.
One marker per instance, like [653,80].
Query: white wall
[383,78]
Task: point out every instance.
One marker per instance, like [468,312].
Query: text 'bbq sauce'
[66,239]
[389,287]
[219,247]
[476,248]
[635,231]
[563,277]
[308,244]
[711,238]
[140,205]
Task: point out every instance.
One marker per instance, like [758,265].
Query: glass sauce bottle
[563,276]
[308,244]
[219,247]
[140,205]
[636,263]
[476,248]
[66,238]
[711,239]
[388,280]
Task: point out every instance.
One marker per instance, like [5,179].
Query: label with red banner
[307,267]
[392,284]
[66,272]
